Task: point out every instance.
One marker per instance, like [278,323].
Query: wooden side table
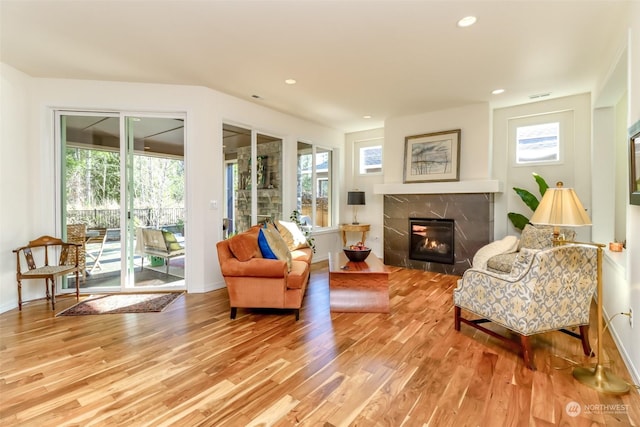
[359,228]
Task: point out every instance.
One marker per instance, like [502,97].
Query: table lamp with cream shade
[559,207]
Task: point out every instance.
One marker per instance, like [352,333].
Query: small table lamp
[355,199]
[561,207]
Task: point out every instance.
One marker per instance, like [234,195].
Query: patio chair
[162,244]
[48,272]
[77,233]
[96,238]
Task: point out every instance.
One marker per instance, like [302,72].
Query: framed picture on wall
[634,164]
[432,157]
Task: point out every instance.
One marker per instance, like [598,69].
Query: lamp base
[600,380]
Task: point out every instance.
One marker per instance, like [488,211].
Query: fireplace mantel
[471,186]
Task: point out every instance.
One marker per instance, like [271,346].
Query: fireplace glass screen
[431,240]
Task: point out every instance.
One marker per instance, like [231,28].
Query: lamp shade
[560,206]
[355,198]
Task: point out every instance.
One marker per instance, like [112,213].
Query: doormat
[122,303]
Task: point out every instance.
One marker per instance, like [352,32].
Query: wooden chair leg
[297,314]
[526,352]
[19,295]
[53,294]
[77,287]
[456,318]
[234,311]
[584,337]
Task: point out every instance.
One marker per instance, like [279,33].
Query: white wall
[574,171]
[621,271]
[632,338]
[371,213]
[16,179]
[475,142]
[31,166]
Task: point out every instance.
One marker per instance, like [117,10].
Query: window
[369,156]
[315,201]
[538,143]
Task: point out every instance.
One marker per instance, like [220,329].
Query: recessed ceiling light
[290,81]
[497,91]
[467,21]
[366,117]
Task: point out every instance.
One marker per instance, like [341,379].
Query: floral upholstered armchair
[548,289]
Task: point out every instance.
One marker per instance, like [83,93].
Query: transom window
[368,156]
[538,143]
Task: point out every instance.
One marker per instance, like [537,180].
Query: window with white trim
[538,143]
[368,156]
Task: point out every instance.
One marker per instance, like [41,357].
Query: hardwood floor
[192,365]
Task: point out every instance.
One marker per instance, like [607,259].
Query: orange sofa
[256,282]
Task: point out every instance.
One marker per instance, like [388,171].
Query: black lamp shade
[355,198]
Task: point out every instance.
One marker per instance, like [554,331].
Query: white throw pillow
[292,235]
[507,245]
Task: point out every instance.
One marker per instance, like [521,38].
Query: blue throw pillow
[272,245]
[264,246]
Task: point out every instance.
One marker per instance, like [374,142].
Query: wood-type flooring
[192,366]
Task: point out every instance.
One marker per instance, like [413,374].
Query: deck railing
[110,218]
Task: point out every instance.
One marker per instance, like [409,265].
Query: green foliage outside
[93,180]
[519,221]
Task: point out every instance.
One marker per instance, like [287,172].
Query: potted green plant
[519,221]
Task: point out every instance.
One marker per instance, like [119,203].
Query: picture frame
[634,164]
[432,157]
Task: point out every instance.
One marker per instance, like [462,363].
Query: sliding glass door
[122,197]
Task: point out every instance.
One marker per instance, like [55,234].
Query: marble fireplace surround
[469,203]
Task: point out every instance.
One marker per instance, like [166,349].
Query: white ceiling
[384,58]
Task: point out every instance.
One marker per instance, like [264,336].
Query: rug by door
[122,303]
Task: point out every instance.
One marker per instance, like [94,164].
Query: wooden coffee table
[358,286]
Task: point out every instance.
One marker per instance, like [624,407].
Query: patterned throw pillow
[536,237]
[292,235]
[272,245]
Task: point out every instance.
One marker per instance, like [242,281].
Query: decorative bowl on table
[357,253]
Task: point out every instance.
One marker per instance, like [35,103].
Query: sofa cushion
[506,245]
[244,246]
[171,241]
[292,235]
[272,245]
[303,254]
[298,275]
[502,263]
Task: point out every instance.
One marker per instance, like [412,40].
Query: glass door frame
[127,251]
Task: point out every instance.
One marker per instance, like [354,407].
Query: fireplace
[472,214]
[432,240]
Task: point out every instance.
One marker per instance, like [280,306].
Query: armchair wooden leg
[584,337]
[297,314]
[234,311]
[527,355]
[456,318]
